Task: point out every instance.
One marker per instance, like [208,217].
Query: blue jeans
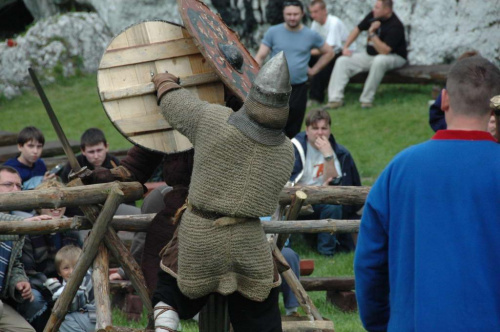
[293,260]
[329,243]
[31,310]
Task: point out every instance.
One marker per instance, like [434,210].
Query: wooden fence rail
[140,223]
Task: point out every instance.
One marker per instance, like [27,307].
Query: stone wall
[59,45]
[437,31]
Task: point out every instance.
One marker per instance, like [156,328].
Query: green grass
[374,136]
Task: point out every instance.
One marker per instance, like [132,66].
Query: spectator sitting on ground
[335,33]
[94,148]
[38,258]
[321,161]
[385,50]
[31,168]
[14,284]
[81,316]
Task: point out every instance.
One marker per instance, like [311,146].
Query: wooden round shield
[221,46]
[127,93]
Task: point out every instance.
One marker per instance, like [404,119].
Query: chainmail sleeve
[183,111]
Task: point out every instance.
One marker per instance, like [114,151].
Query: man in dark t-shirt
[385,50]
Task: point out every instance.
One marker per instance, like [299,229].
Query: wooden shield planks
[127,93]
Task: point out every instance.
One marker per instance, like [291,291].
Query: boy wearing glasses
[14,284]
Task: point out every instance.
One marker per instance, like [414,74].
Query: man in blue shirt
[297,41]
[428,251]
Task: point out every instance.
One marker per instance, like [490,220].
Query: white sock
[165,318]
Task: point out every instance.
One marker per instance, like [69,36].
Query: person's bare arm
[378,44]
[353,35]
[262,54]
[327,55]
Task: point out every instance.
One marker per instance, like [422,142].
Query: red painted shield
[220,46]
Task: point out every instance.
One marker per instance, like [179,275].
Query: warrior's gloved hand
[164,83]
[104,175]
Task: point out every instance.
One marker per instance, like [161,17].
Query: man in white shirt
[321,161]
[335,33]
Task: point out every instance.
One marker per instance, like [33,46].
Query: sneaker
[366,105]
[334,104]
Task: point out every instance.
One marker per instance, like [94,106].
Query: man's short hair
[67,253]
[293,3]
[92,136]
[321,3]
[29,134]
[386,3]
[317,115]
[471,83]
[9,169]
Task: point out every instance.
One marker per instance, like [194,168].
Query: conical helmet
[265,111]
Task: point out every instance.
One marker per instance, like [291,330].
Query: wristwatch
[328,158]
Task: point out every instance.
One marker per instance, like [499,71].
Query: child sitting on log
[38,256]
[81,314]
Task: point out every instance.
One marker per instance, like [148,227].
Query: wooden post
[296,286]
[124,257]
[100,279]
[297,200]
[89,251]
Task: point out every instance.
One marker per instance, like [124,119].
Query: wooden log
[305,326]
[424,74]
[100,279]
[340,195]
[312,226]
[293,212]
[70,196]
[140,223]
[344,300]
[124,257]
[89,251]
[327,283]
[7,138]
[123,329]
[53,148]
[310,284]
[296,287]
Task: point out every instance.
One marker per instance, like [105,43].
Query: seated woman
[38,258]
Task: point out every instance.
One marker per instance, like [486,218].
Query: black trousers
[245,315]
[319,83]
[297,105]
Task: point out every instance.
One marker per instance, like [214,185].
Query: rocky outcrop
[59,45]
[119,14]
[437,31]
